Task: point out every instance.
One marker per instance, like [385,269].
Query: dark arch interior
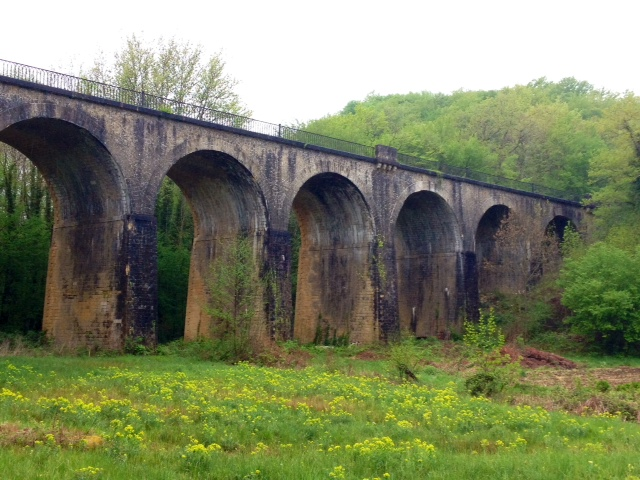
[84,179]
[83,286]
[226,204]
[427,243]
[334,296]
[558,226]
[487,253]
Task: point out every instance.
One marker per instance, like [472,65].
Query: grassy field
[170,417]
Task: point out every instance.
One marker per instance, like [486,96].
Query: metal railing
[477,175]
[92,88]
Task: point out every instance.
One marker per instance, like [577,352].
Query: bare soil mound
[534,358]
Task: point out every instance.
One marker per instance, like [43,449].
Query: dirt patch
[533,358]
[12,434]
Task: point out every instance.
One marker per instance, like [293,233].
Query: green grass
[180,418]
[600,361]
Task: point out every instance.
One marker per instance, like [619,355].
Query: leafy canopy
[602,288]
[171,69]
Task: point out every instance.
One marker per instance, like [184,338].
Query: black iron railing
[140,99]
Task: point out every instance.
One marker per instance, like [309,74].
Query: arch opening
[548,255]
[429,266]
[494,269]
[227,207]
[334,296]
[558,226]
[83,301]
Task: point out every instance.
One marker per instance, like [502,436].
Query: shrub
[484,383]
[602,289]
[484,335]
[404,358]
[233,285]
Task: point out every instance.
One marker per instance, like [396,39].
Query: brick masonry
[385,247]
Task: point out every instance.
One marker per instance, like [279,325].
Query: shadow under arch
[559,225]
[547,256]
[335,295]
[86,284]
[227,204]
[429,264]
[489,256]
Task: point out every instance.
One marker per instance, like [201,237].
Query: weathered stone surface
[384,246]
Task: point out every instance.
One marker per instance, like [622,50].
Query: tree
[171,69]
[615,174]
[25,235]
[602,288]
[234,287]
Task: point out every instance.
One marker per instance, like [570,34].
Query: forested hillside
[543,132]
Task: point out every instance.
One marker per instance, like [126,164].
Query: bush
[484,384]
[484,335]
[602,289]
[404,358]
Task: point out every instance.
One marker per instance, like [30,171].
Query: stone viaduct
[384,246]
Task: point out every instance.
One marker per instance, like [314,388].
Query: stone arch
[226,203]
[489,256]
[84,300]
[428,249]
[547,253]
[558,226]
[335,295]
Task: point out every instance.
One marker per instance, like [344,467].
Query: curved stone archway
[86,278]
[490,253]
[429,265]
[335,295]
[559,225]
[227,205]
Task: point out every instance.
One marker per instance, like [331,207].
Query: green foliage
[25,236]
[497,370]
[484,335]
[135,346]
[173,281]
[171,69]
[602,288]
[234,287]
[484,384]
[24,254]
[615,172]
[296,242]
[405,356]
[544,132]
[175,238]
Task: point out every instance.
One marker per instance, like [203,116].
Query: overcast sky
[299,60]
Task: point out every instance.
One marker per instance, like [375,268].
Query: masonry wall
[357,276]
